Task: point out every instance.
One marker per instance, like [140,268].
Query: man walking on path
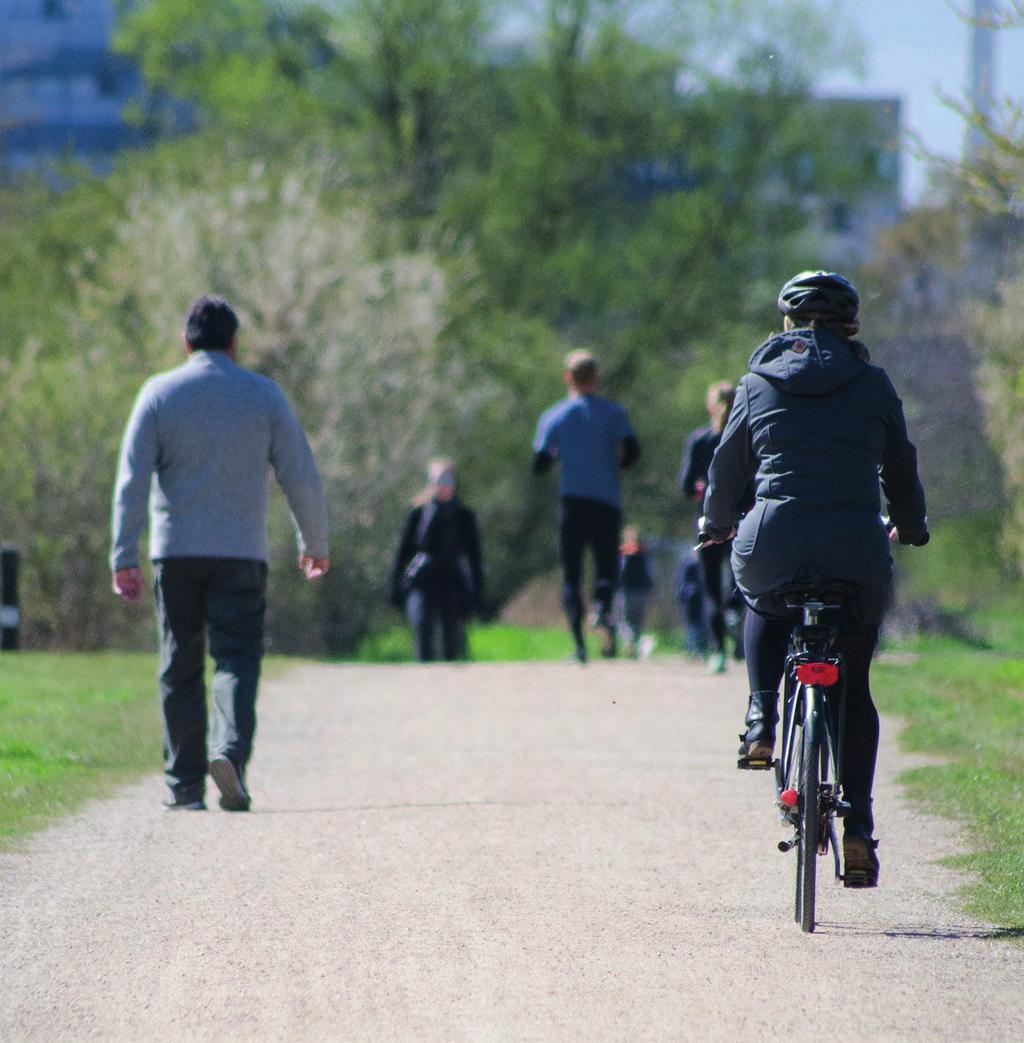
[198,447]
[592,439]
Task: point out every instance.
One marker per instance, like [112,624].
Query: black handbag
[417,571]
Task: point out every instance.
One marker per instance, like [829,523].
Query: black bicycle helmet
[823,295]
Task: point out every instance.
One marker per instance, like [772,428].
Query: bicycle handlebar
[704,540]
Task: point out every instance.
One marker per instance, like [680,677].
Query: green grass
[961,567]
[71,727]
[967,706]
[490,643]
[496,643]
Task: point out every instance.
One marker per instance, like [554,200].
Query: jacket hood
[807,362]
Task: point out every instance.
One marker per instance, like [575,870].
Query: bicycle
[809,768]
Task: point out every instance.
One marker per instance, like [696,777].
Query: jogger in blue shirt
[592,440]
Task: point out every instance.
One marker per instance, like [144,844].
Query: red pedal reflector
[817,673]
[789,798]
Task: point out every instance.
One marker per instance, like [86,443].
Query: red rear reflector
[817,673]
[788,797]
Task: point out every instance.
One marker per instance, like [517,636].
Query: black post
[10,615]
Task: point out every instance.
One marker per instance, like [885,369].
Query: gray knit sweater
[199,446]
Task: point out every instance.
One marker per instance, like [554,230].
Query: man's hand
[313,568]
[128,585]
[699,488]
[894,537]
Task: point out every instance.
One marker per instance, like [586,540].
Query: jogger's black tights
[767,641]
[712,558]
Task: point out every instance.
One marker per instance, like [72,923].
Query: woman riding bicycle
[818,426]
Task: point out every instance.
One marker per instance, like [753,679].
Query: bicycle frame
[814,712]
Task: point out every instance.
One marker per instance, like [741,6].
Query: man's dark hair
[210,324]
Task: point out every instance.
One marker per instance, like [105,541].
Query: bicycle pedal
[859,878]
[759,764]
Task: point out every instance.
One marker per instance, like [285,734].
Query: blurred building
[858,143]
[62,92]
[866,170]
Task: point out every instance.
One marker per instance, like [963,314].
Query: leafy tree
[417,217]
[988,190]
[368,343]
[245,65]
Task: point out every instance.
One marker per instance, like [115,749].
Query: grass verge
[968,706]
[71,728]
[497,643]
[488,643]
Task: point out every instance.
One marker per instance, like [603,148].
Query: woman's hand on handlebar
[705,539]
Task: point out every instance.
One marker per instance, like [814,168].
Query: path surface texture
[490,852]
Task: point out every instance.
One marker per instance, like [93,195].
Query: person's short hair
[211,324]
[581,367]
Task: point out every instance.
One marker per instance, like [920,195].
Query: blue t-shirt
[584,433]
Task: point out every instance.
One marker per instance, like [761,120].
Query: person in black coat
[437,577]
[823,431]
[698,453]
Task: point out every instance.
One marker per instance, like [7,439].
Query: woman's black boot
[758,741]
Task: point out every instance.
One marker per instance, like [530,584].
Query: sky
[914,49]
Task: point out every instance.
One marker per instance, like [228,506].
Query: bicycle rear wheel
[807,860]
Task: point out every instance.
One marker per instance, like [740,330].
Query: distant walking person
[198,447]
[689,591]
[636,585]
[693,480]
[592,440]
[438,574]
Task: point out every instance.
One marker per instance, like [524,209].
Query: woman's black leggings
[767,641]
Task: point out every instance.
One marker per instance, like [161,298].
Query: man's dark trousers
[225,598]
[584,521]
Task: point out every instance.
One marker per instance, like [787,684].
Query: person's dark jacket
[696,462]
[450,536]
[635,573]
[698,452]
[824,435]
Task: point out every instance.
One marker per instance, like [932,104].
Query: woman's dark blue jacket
[823,433]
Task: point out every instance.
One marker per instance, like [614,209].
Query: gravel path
[489,852]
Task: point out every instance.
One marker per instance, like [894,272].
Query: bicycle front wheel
[810,768]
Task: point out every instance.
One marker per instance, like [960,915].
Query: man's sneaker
[579,656]
[233,794]
[191,804]
[861,862]
[716,663]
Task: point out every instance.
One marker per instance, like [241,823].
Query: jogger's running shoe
[233,794]
[609,646]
